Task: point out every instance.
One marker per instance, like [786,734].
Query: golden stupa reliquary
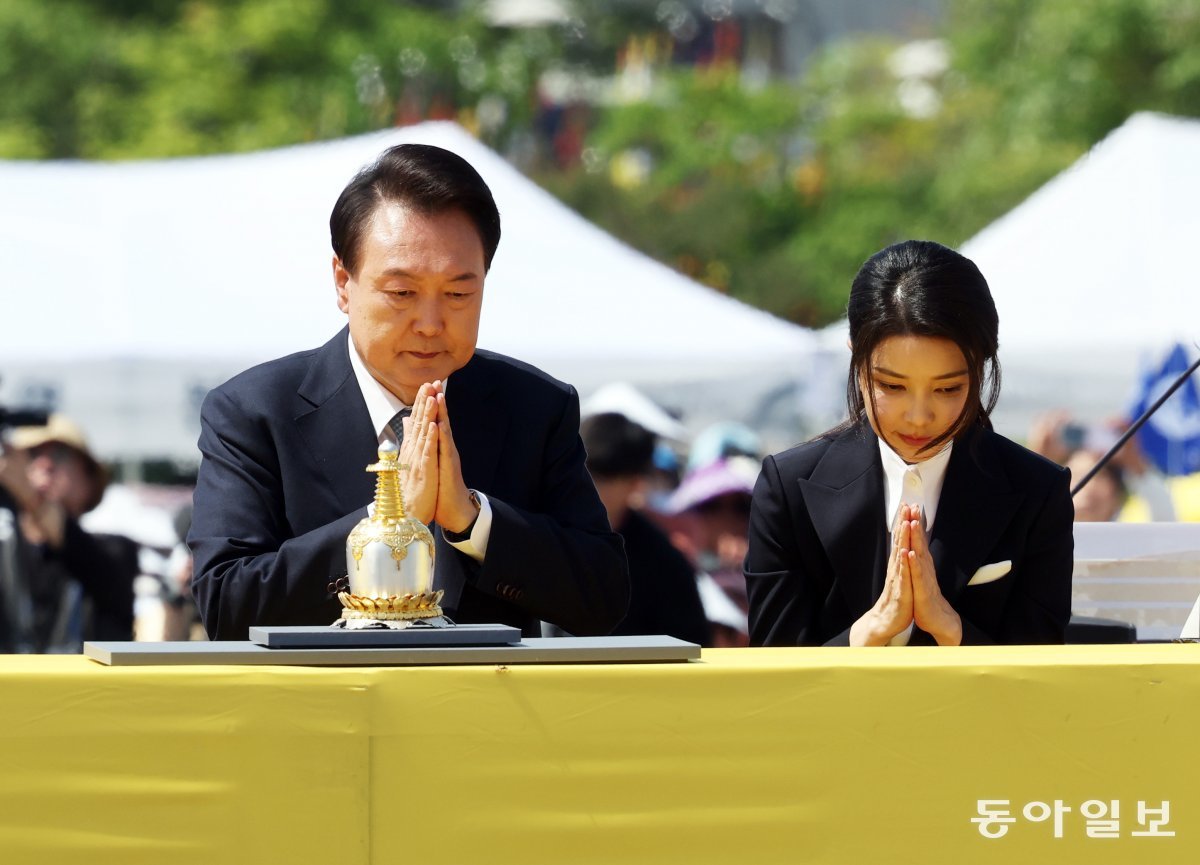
[389,556]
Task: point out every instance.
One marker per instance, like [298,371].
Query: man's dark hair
[616,446]
[428,179]
[921,288]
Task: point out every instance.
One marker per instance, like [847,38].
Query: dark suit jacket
[663,597]
[282,483]
[819,544]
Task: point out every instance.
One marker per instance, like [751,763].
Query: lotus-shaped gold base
[395,612]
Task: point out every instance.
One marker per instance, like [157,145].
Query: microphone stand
[1134,427]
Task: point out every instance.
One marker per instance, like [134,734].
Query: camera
[1073,436]
[23,416]
[10,417]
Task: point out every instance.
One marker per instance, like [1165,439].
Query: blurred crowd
[1126,486]
[684,521]
[68,573]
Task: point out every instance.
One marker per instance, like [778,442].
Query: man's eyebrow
[401,272]
[893,374]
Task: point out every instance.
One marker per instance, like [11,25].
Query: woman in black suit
[912,522]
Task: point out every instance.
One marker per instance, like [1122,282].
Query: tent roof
[134,287]
[1090,274]
[1097,258]
[228,257]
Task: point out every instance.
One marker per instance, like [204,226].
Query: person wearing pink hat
[709,515]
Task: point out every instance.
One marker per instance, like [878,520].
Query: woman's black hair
[921,288]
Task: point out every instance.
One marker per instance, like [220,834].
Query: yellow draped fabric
[747,756]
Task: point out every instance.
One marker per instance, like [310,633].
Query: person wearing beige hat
[52,567]
[61,471]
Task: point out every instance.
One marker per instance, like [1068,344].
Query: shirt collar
[382,404]
[932,474]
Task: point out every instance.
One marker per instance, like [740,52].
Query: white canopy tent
[134,287]
[1092,274]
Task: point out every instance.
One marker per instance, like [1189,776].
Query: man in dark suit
[521,535]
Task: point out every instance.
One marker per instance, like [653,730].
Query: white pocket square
[989,573]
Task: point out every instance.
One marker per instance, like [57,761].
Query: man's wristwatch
[465,534]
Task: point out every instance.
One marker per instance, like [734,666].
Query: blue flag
[1170,439]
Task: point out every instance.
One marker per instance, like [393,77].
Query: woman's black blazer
[818,541]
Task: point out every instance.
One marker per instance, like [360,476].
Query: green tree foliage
[695,174]
[844,164]
[114,80]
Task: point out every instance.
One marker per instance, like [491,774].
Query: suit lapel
[335,425]
[478,424]
[844,498]
[975,508]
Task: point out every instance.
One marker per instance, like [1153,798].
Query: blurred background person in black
[663,595]
[16,608]
[60,584]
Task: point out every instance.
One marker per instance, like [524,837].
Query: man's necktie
[397,424]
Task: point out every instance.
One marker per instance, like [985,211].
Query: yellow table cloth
[746,756]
